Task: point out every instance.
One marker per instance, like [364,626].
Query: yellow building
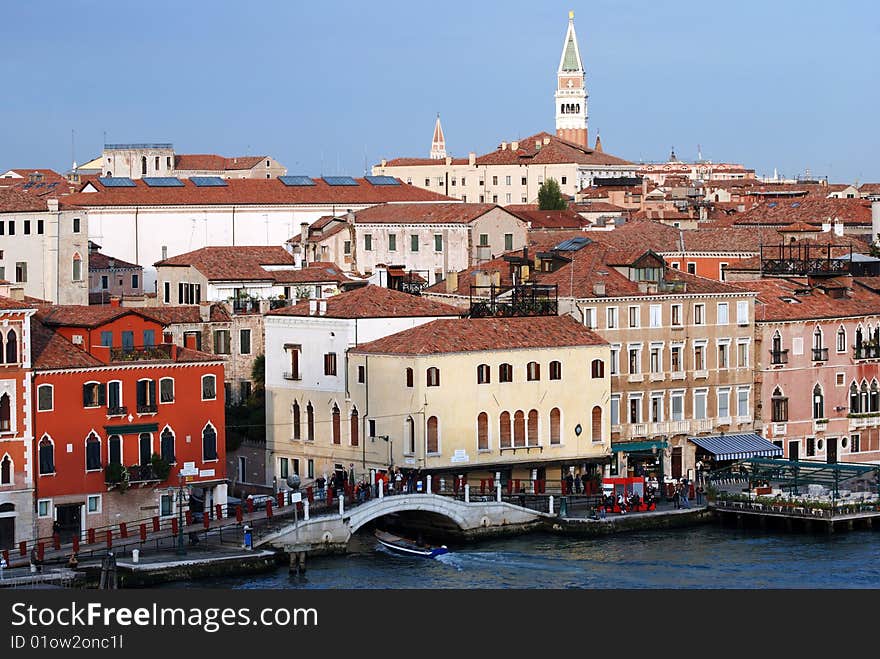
[508,398]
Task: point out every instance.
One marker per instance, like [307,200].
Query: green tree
[258,372]
[550,196]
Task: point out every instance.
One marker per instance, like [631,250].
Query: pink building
[817,368]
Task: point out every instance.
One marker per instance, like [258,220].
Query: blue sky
[785,84]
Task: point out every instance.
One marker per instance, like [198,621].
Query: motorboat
[409,547]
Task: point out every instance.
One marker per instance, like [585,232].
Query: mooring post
[381,490]
[341,504]
[430,491]
[551,504]
[467,493]
[305,509]
[498,491]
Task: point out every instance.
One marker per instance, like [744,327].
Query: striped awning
[737,446]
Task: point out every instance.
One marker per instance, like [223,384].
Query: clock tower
[571,91]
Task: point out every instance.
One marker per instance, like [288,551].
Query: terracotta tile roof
[50,350]
[644,234]
[800,227]
[75,315]
[98,261]
[437,213]
[779,299]
[373,302]
[315,273]
[13,200]
[47,174]
[811,210]
[232,263]
[598,207]
[185,314]
[247,191]
[7,303]
[477,334]
[556,151]
[869,188]
[563,219]
[213,162]
[410,162]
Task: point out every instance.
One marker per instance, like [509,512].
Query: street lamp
[181,551]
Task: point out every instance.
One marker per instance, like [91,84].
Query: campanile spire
[571,90]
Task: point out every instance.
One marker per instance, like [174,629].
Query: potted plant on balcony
[117,476]
[161,467]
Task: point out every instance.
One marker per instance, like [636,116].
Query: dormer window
[646,274]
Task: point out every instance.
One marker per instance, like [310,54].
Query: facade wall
[706,266]
[46,242]
[796,379]
[138,161]
[120,281]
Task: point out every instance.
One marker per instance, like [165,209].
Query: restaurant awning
[737,446]
[636,447]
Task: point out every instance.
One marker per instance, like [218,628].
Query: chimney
[546,140]
[472,159]
[114,300]
[17,293]
[322,307]
[313,306]
[514,146]
[599,289]
[384,162]
[303,239]
[504,146]
[448,161]
[52,205]
[349,217]
[482,279]
[205,312]
[838,226]
[451,282]
[875,219]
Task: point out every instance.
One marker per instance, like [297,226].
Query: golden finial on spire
[571,15]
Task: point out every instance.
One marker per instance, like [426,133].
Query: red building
[117,414]
[16,428]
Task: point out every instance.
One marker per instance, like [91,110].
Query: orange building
[118,414]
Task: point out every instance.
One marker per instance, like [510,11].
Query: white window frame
[718,343]
[202,383]
[612,318]
[658,346]
[676,394]
[745,342]
[701,393]
[52,389]
[742,313]
[657,395]
[49,510]
[702,307]
[638,348]
[173,391]
[614,359]
[655,315]
[614,398]
[845,339]
[638,316]
[680,322]
[636,395]
[89,499]
[726,307]
[591,320]
[722,392]
[747,390]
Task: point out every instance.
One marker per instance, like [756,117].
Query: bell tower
[571,91]
[438,142]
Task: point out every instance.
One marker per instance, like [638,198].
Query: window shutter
[152,386]
[102,394]
[86,400]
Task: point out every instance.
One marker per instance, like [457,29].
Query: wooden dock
[59,578]
[791,518]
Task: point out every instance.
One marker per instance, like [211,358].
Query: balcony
[820,354]
[740,420]
[779,356]
[245,306]
[657,377]
[638,430]
[289,375]
[703,425]
[120,410]
[865,351]
[659,428]
[679,427]
[701,374]
[678,375]
[161,352]
[820,425]
[858,421]
[635,377]
[147,408]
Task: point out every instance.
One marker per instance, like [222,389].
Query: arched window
[294,411]
[505,373]
[209,443]
[409,377]
[410,436]
[597,424]
[533,371]
[166,446]
[335,425]
[818,403]
[841,339]
[874,403]
[5,413]
[143,165]
[209,387]
[777,342]
[532,429]
[817,338]
[354,427]
[504,430]
[482,431]
[555,417]
[555,370]
[6,470]
[114,450]
[859,338]
[433,376]
[47,456]
[519,428]
[432,440]
[77,267]
[779,406]
[11,347]
[597,368]
[310,422]
[484,375]
[145,448]
[93,452]
[864,404]
[853,399]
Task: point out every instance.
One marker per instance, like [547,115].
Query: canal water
[701,557]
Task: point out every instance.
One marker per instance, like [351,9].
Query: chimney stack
[875,220]
[451,282]
[472,159]
[514,146]
[205,312]
[17,293]
[599,289]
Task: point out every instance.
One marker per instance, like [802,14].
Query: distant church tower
[438,143]
[571,91]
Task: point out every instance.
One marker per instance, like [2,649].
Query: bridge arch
[441,506]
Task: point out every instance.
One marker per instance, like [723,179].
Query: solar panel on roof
[795,204]
[771,204]
[572,244]
[295,181]
[163,181]
[340,180]
[208,181]
[116,182]
[382,180]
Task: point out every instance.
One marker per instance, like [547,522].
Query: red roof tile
[811,210]
[50,350]
[213,162]
[477,334]
[75,315]
[232,263]
[562,219]
[779,300]
[8,304]
[437,213]
[373,302]
[99,261]
[185,314]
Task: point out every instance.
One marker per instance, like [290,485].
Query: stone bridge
[332,532]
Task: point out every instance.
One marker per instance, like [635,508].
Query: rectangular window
[11,227]
[742,402]
[635,360]
[438,242]
[21,272]
[507,180]
[222,342]
[76,225]
[484,240]
[722,271]
[676,362]
[44,507]
[656,312]
[723,403]
[508,197]
[700,403]
[346,247]
[656,359]
[590,318]
[723,357]
[27,227]
[508,242]
[105,282]
[167,292]
[656,410]
[677,405]
[392,242]
[742,354]
[854,444]
[362,374]
[94,503]
[635,408]
[209,387]
[135,281]
[149,338]
[283,470]
[310,466]
[165,505]
[615,358]
[742,312]
[330,363]
[634,320]
[699,314]
[611,317]
[811,447]
[107,339]
[722,313]
[615,410]
[368,242]
[414,243]
[699,357]
[524,181]
[676,315]
[244,390]
[244,341]
[166,390]
[40,227]
[563,179]
[494,180]
[45,396]
[692,268]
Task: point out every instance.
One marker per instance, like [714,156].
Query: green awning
[636,447]
[132,428]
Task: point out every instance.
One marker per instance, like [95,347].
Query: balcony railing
[679,427]
[288,375]
[820,354]
[779,356]
[866,352]
[703,425]
[120,410]
[147,408]
[159,352]
[638,429]
[245,305]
